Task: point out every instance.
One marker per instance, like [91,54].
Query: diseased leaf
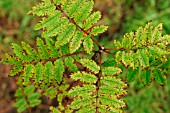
[90,64]
[113,81]
[73,8]
[81,90]
[84,11]
[57,28]
[69,62]
[45,23]
[76,41]
[65,36]
[39,73]
[111,71]
[48,72]
[84,77]
[58,70]
[88,44]
[28,73]
[143,58]
[98,29]
[92,19]
[15,70]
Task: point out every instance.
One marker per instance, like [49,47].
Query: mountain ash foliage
[68,51]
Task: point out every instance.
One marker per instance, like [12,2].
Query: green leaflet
[146,77]
[125,59]
[165,65]
[42,50]
[138,39]
[85,101]
[69,62]
[110,90]
[90,64]
[113,81]
[92,19]
[51,47]
[58,70]
[76,41]
[27,73]
[21,104]
[159,77]
[154,52]
[55,29]
[126,41]
[112,101]
[109,63]
[84,11]
[143,58]
[46,22]
[39,72]
[65,49]
[149,29]
[131,74]
[88,44]
[111,71]
[84,77]
[48,72]
[73,8]
[98,29]
[157,34]
[117,44]
[65,36]
[81,90]
[34,102]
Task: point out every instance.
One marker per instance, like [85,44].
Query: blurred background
[122,16]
